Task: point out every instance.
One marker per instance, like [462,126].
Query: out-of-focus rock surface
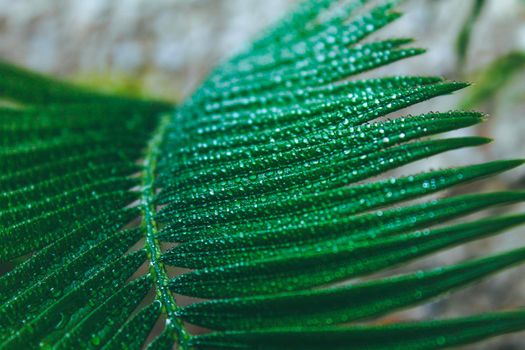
[168,46]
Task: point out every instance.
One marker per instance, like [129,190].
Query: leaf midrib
[152,245]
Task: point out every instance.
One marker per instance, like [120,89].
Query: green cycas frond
[266,180]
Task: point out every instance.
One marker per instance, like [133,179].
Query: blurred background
[163,48]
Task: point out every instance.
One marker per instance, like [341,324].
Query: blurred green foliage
[491,80]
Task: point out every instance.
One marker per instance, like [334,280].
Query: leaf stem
[157,269]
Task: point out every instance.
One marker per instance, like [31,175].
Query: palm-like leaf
[259,178]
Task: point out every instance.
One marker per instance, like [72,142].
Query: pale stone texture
[170,45]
